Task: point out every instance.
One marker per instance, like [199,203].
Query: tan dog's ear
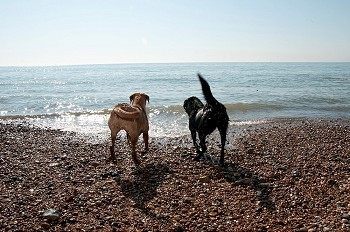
[132,97]
[147,98]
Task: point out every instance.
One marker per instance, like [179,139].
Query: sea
[79,98]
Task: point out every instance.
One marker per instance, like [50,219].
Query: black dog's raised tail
[206,91]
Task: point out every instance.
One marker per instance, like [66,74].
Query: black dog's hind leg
[203,147]
[223,131]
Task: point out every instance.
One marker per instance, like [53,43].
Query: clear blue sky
[48,32]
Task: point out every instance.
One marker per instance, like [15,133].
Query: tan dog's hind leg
[114,133]
[136,159]
[129,139]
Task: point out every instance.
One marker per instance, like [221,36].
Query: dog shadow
[239,176]
[142,188]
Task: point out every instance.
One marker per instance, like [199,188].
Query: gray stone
[346,216]
[51,215]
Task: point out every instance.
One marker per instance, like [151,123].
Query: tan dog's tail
[127,111]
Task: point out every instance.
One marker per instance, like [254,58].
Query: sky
[68,32]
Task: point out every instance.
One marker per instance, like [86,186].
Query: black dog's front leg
[194,139]
[223,141]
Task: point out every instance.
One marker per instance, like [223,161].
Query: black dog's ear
[189,105]
[185,105]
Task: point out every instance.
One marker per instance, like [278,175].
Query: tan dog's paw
[136,159]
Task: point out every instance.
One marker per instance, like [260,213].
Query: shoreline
[290,175]
[234,126]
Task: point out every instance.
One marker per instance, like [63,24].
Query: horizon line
[180,62]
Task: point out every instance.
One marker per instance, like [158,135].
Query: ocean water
[79,98]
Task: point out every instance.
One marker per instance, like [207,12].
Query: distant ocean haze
[79,98]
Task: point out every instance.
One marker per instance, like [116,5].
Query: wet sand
[290,175]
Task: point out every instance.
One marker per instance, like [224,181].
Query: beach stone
[51,215]
[265,185]
[346,216]
[204,179]
[95,163]
[178,228]
[213,214]
[45,225]
[244,181]
[53,164]
[295,173]
[188,200]
[340,203]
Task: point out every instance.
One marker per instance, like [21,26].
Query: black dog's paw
[112,159]
[198,157]
[222,164]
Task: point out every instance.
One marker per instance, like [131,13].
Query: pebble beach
[287,175]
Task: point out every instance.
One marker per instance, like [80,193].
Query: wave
[55,115]
[336,108]
[317,100]
[153,111]
[233,107]
[172,111]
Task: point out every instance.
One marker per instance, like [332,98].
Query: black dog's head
[192,105]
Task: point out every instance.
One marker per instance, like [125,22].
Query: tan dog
[133,119]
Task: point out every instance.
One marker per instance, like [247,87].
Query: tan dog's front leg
[145,140]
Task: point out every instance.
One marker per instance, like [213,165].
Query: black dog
[204,119]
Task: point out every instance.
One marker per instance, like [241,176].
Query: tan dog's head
[139,99]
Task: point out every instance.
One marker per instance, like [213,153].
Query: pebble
[53,164]
[95,163]
[295,173]
[244,181]
[51,215]
[45,225]
[346,216]
[204,179]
